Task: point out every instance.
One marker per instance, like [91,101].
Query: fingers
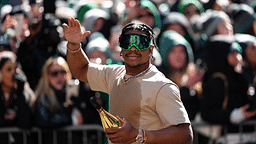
[72,22]
[76,22]
[85,34]
[121,121]
[113,135]
[74,32]
[69,21]
[112,130]
[65,26]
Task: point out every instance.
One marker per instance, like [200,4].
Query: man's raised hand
[73,32]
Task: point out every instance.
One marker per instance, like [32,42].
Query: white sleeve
[96,77]
[170,107]
[100,76]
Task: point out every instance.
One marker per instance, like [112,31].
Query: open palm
[73,32]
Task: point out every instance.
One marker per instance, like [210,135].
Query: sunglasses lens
[144,42]
[141,42]
[124,42]
[55,73]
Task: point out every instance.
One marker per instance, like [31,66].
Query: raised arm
[76,58]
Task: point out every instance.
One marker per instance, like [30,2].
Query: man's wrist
[144,136]
[141,136]
[73,47]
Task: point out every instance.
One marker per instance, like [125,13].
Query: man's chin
[135,65]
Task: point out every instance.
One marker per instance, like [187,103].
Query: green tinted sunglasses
[141,42]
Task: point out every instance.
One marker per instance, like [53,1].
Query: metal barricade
[219,133]
[212,131]
[69,129]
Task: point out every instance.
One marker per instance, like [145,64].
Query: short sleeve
[100,76]
[97,77]
[170,107]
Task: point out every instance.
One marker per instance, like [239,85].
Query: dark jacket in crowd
[223,88]
[19,103]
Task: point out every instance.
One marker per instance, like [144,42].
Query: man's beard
[135,66]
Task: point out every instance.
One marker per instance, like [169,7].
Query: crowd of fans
[208,48]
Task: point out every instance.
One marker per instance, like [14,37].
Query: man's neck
[134,70]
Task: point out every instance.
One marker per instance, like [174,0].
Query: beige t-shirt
[149,101]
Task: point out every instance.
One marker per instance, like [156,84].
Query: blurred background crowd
[207,47]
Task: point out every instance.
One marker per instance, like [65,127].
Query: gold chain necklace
[132,77]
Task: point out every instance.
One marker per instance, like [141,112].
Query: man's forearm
[180,134]
[77,61]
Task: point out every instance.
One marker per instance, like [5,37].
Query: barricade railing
[212,131]
[85,128]
[219,133]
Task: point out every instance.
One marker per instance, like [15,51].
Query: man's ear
[151,49]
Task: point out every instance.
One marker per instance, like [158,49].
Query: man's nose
[133,48]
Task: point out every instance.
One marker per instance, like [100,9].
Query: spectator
[131,12]
[39,46]
[150,15]
[16,98]
[218,5]
[81,9]
[115,13]
[56,95]
[213,23]
[179,23]
[7,19]
[221,5]
[178,65]
[225,100]
[209,24]
[14,25]
[94,19]
[190,8]
[243,18]
[97,47]
[63,12]
[114,51]
[248,45]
